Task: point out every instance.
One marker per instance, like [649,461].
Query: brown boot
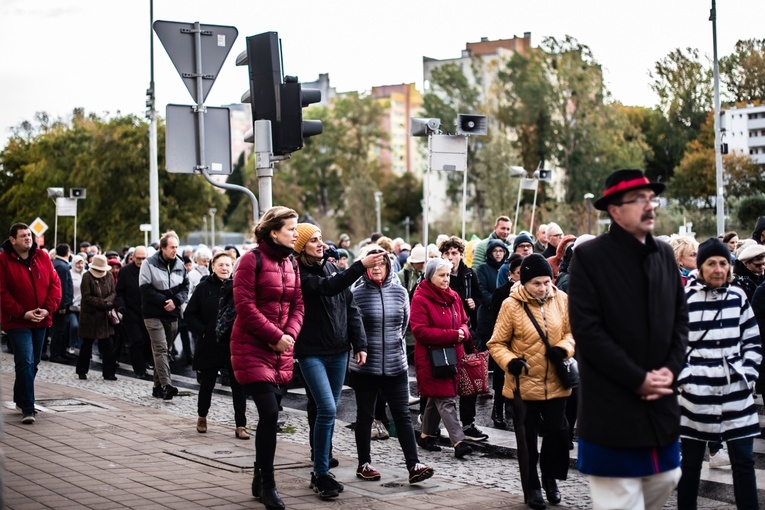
[201,425]
[241,433]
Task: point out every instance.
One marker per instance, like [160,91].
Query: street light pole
[213,210]
[718,149]
[153,170]
[588,197]
[378,201]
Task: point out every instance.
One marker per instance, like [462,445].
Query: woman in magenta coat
[269,315]
[438,320]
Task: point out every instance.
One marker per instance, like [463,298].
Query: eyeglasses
[758,264]
[139,258]
[641,201]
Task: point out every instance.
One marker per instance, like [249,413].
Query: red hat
[622,181]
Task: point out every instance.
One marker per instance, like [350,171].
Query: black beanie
[535,265]
[712,247]
[522,238]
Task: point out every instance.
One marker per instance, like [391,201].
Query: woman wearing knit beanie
[715,386]
[517,344]
[331,328]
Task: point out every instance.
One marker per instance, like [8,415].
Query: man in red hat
[629,317]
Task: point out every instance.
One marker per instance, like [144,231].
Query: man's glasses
[641,201]
[139,258]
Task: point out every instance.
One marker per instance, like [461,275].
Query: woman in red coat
[438,320]
[269,315]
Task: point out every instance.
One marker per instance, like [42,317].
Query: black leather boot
[268,495]
[256,483]
[498,411]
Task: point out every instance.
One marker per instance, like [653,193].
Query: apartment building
[744,131]
[401,155]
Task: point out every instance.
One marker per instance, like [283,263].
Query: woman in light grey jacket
[384,306]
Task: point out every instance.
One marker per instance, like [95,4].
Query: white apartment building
[744,131]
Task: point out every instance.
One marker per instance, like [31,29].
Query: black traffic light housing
[270,99]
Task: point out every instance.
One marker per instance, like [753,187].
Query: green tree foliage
[743,72]
[110,158]
[401,199]
[749,210]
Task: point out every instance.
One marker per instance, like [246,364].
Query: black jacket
[67,287]
[465,283]
[200,315]
[629,316]
[332,321]
[129,293]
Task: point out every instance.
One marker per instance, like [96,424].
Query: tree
[109,157]
[743,72]
[401,196]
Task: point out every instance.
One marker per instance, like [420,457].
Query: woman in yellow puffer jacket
[517,341]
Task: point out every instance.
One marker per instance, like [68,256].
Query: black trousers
[207,378]
[137,342]
[105,347]
[549,416]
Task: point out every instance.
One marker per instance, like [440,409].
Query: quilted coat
[516,337]
[26,287]
[437,317]
[266,309]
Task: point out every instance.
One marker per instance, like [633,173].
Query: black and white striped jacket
[723,357]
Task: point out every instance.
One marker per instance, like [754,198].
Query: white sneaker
[719,459]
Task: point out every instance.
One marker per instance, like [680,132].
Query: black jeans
[741,461]
[59,335]
[105,347]
[207,378]
[396,391]
[550,417]
[137,342]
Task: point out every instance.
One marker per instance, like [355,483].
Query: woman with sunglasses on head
[716,383]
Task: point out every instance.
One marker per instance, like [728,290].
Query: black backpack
[224,322]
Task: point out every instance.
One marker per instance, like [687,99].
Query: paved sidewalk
[90,450]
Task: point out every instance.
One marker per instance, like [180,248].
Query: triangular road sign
[178,40]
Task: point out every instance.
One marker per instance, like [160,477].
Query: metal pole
[55,227]
[206,232]
[75,226]
[153,170]
[426,189]
[212,226]
[534,206]
[720,201]
[378,201]
[517,205]
[589,217]
[464,197]
[234,187]
[199,109]
[145,238]
[263,165]
[407,222]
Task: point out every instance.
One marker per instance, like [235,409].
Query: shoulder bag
[443,361]
[567,370]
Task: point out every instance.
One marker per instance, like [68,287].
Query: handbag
[443,362]
[567,370]
[474,373]
[114,316]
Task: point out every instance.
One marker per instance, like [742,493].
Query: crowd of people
[665,331]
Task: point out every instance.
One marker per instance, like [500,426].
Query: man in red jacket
[30,292]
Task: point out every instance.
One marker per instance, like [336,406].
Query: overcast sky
[62,54]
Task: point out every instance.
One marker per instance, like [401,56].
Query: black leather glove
[556,354]
[108,304]
[516,366]
[332,253]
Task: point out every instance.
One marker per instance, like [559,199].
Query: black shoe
[324,486]
[536,501]
[428,443]
[257,485]
[474,434]
[156,392]
[83,377]
[462,449]
[59,359]
[333,463]
[168,392]
[270,498]
[110,378]
[551,490]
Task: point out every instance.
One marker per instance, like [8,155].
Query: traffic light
[270,99]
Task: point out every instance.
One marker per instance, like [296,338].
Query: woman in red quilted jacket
[438,320]
[269,315]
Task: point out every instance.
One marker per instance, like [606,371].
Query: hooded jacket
[516,337]
[27,285]
[385,315]
[332,321]
[437,318]
[560,252]
[487,281]
[268,306]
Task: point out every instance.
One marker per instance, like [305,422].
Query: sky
[62,54]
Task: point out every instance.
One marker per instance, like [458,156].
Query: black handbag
[443,361]
[567,370]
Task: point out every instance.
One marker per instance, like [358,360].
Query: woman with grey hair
[438,321]
[384,306]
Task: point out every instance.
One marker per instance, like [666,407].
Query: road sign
[181,140]
[178,40]
[38,227]
[145,227]
[66,206]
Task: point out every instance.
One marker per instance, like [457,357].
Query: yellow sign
[38,227]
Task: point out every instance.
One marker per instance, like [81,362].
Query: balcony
[755,124]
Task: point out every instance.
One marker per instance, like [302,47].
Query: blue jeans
[27,349]
[741,456]
[74,330]
[324,376]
